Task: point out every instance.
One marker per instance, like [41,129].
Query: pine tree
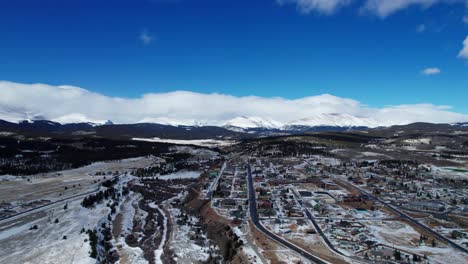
[397,255]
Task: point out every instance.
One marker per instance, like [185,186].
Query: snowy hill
[245,122]
[319,120]
[256,125]
[171,121]
[332,120]
[21,115]
[79,118]
[460,124]
[17,115]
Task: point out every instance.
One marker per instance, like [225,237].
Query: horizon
[78,105]
[233,131]
[395,61]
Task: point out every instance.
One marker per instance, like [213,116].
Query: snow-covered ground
[323,160]
[159,251]
[61,242]
[335,120]
[454,173]
[127,212]
[181,175]
[404,237]
[371,154]
[252,122]
[8,177]
[418,141]
[196,142]
[246,248]
[199,152]
[58,185]
[19,244]
[186,249]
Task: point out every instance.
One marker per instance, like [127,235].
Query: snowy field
[181,175]
[196,142]
[187,250]
[454,173]
[418,141]
[58,237]
[51,186]
[404,237]
[123,227]
[47,244]
[199,152]
[247,249]
[180,240]
[372,154]
[323,160]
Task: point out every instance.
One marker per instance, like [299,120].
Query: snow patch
[196,142]
[181,175]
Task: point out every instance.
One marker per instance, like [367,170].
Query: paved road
[317,227]
[409,218]
[319,230]
[45,206]
[256,222]
[52,204]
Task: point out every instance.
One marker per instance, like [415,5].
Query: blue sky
[266,48]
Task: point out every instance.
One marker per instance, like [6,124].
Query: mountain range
[238,128]
[34,124]
[237,123]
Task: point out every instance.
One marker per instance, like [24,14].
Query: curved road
[319,230]
[408,218]
[256,222]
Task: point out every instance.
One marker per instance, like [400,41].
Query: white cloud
[146,38]
[326,7]
[421,28]
[431,71]
[384,8]
[464,52]
[381,8]
[64,103]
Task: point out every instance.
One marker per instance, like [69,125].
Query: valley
[368,196]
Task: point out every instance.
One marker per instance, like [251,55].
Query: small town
[389,210]
[234,132]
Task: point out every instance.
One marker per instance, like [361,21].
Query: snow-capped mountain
[174,122]
[79,118]
[460,124]
[17,115]
[332,120]
[244,122]
[238,124]
[319,120]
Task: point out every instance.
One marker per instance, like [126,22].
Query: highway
[52,204]
[256,222]
[45,206]
[408,218]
